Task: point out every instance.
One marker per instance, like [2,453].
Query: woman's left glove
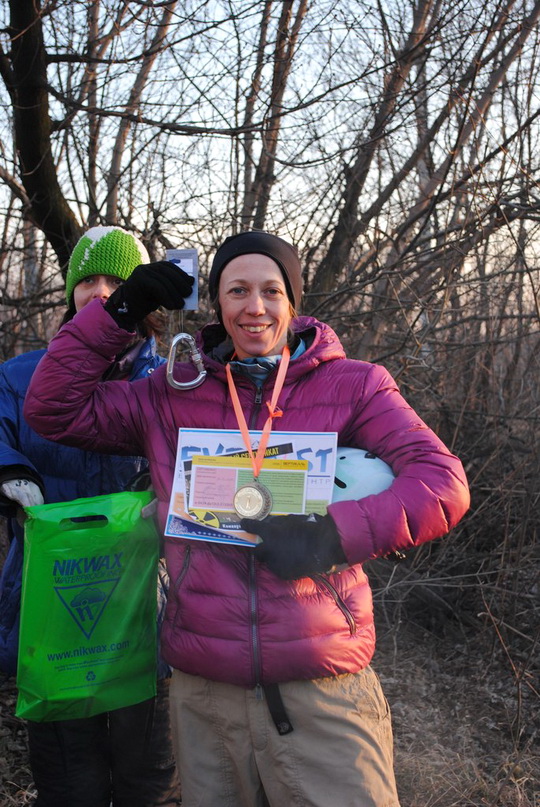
[23,492]
[149,286]
[296,546]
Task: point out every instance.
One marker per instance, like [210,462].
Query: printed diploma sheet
[212,465]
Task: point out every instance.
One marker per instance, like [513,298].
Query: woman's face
[92,287]
[255,308]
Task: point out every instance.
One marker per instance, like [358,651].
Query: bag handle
[83,522]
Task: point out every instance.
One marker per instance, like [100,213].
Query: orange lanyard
[257,459]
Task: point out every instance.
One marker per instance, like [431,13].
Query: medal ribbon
[257,459]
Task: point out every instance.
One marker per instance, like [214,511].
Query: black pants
[123,758]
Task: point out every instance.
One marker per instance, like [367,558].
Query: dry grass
[465,719]
[16,786]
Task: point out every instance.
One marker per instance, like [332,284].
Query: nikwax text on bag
[88,615]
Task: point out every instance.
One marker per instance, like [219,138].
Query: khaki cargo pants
[230,753]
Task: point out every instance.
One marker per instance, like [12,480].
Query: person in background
[124,757]
[273,698]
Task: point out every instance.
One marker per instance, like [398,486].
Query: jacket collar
[322,344]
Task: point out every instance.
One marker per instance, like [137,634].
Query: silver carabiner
[195,357]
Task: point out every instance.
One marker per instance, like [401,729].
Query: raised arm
[67,401]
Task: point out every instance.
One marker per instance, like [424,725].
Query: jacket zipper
[254,623]
[319,578]
[257,402]
[184,569]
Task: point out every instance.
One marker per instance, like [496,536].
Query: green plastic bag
[88,614]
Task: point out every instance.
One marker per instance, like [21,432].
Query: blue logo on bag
[86,604]
[79,569]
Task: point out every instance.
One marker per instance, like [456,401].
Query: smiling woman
[270,643]
[255,308]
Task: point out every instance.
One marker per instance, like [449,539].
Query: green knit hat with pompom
[104,251]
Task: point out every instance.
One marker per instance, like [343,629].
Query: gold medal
[253,501]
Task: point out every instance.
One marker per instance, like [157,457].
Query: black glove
[296,546]
[149,286]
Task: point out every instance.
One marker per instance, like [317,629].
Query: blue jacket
[63,473]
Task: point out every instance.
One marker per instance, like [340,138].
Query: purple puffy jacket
[228,617]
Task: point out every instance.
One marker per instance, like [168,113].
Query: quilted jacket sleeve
[67,402]
[430,493]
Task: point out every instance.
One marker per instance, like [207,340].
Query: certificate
[298,469]
[215,480]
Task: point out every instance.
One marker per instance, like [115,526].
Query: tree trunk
[28,89]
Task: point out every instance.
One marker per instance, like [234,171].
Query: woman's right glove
[149,286]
